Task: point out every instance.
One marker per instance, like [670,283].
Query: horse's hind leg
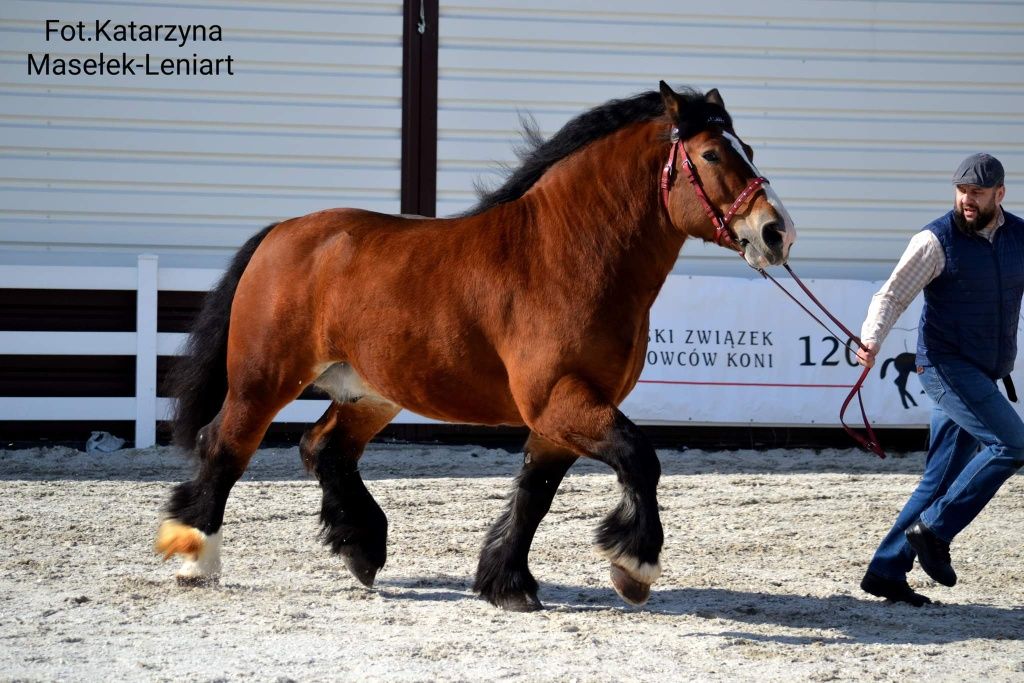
[503,576]
[631,536]
[195,512]
[354,526]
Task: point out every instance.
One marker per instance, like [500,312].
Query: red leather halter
[724,238]
[722,235]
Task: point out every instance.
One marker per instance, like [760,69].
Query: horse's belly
[344,384]
[439,396]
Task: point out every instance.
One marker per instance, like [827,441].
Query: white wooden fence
[145,408]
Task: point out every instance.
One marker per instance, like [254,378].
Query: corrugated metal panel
[858,111]
[188,167]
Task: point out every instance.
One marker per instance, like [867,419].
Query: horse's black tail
[884,366]
[199,380]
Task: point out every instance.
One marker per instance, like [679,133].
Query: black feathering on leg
[352,523]
[503,576]
[633,527]
[512,589]
[630,530]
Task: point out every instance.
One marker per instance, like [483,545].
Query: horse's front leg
[503,575]
[631,536]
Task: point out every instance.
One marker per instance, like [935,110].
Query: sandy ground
[762,559]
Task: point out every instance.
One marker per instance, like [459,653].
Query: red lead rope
[871,442]
[724,238]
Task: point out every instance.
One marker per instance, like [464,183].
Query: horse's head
[718,194]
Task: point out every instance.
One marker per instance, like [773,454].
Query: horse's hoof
[628,588]
[519,602]
[360,567]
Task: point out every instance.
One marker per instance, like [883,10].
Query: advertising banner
[738,351]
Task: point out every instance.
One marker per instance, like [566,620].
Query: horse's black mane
[537,155]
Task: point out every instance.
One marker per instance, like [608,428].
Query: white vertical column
[146,352]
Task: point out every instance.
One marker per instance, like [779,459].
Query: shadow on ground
[865,621]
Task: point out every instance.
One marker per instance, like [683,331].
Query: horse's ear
[671,101]
[714,97]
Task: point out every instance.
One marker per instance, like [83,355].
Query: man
[970,264]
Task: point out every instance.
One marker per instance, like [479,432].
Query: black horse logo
[905,364]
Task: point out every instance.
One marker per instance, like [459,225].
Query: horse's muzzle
[775,245]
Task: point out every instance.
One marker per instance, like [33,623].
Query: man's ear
[671,100]
[714,97]
[1000,193]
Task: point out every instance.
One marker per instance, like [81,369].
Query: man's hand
[866,357]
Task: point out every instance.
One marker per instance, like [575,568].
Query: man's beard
[981,220]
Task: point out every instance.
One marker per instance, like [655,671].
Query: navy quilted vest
[971,311]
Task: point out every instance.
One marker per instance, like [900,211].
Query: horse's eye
[711,156]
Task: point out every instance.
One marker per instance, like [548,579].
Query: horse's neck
[598,213]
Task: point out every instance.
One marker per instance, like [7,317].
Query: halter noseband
[722,235]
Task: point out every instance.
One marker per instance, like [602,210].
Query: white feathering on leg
[644,572]
[206,564]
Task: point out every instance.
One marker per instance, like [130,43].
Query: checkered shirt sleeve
[922,261]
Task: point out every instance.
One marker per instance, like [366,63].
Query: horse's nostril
[771,233]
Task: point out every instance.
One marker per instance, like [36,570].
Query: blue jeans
[969,413]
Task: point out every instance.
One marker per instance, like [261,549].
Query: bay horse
[530,309]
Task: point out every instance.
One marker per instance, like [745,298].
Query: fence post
[145,352]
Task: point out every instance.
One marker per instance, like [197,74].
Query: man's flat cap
[983,170]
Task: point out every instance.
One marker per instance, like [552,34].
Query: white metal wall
[858,111]
[100,168]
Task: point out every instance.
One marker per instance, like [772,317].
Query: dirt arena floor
[763,555]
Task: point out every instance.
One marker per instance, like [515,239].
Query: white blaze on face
[773,199]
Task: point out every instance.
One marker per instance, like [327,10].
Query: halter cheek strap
[722,236]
